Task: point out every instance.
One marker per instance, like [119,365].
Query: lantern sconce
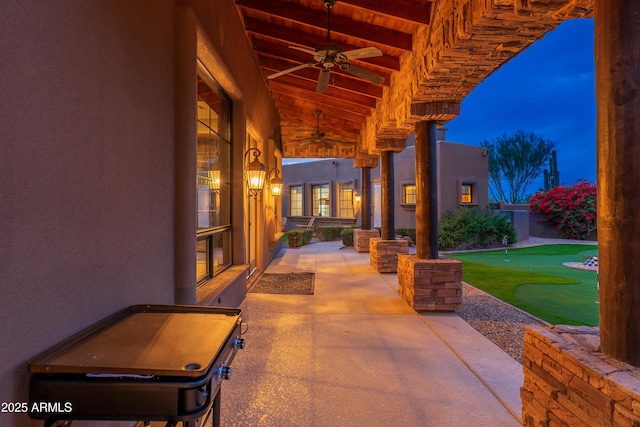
[275,183]
[255,172]
[357,198]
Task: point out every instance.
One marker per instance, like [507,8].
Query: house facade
[124,131]
[331,187]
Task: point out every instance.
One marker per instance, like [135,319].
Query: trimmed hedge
[347,236]
[329,233]
[472,229]
[297,238]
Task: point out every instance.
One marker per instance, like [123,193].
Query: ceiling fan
[318,136]
[330,54]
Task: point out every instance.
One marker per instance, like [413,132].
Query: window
[345,208]
[295,200]
[213,178]
[320,200]
[409,194]
[467,192]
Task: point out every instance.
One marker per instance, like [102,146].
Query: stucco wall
[87,163]
[459,163]
[86,170]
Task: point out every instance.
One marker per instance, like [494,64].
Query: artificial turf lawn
[534,280]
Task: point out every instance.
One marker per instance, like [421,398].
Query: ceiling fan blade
[362,73]
[305,50]
[309,141]
[334,141]
[365,52]
[291,70]
[323,80]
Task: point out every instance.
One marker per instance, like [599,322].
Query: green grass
[534,280]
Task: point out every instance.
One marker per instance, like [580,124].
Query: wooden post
[386,188]
[426,190]
[365,201]
[617,54]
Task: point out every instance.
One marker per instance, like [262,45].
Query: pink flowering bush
[572,209]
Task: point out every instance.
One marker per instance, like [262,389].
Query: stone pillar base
[383,254]
[361,239]
[567,381]
[430,284]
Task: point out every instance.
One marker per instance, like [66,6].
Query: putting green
[534,280]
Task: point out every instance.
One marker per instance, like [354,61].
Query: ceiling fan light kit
[328,55]
[318,136]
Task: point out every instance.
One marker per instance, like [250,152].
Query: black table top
[156,341]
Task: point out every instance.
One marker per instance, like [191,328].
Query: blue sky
[548,89]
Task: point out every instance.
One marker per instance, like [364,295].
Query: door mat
[287,283]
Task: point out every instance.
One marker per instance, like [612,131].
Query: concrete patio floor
[355,354]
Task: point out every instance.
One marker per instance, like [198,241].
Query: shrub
[347,236]
[297,238]
[473,228]
[329,233]
[571,209]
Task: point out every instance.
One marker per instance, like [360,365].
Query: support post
[365,203]
[617,55]
[388,204]
[426,190]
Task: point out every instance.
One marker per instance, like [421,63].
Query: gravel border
[502,323]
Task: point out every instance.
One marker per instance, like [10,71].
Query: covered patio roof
[433,54]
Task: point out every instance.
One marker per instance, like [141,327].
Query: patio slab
[356,354]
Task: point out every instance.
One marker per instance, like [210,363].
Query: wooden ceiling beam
[272,65]
[401,9]
[310,105]
[321,101]
[311,41]
[333,91]
[327,123]
[339,24]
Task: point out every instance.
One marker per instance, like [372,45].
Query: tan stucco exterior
[96,166]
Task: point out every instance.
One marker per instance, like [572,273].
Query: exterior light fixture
[357,198]
[275,183]
[254,172]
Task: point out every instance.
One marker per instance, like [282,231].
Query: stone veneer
[383,254]
[568,382]
[430,284]
[361,239]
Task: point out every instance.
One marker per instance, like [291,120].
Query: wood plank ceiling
[274,26]
[429,63]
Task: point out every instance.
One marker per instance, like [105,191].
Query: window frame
[314,185]
[473,185]
[217,237]
[351,207]
[301,199]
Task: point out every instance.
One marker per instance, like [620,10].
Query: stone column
[426,190]
[388,200]
[617,51]
[425,281]
[362,235]
[365,201]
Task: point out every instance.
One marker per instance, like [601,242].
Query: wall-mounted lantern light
[255,172]
[275,183]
